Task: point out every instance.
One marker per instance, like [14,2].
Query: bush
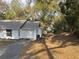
[9,14]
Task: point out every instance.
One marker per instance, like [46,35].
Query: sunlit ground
[61,46]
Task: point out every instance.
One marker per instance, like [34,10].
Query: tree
[9,14]
[3,8]
[70,10]
[48,18]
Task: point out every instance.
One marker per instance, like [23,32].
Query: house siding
[39,32]
[15,34]
[2,33]
[31,34]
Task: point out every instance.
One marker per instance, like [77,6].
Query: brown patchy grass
[62,46]
[6,42]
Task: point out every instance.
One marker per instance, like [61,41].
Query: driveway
[12,51]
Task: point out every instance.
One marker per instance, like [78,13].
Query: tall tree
[18,9]
[3,8]
[49,8]
[70,9]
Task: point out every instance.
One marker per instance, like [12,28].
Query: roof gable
[17,24]
[10,24]
[31,25]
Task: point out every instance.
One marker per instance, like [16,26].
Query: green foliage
[9,14]
[1,16]
[48,8]
[15,5]
[71,11]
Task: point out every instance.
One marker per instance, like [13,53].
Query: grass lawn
[62,46]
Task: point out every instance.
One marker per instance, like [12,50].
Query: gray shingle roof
[18,24]
[10,25]
[31,25]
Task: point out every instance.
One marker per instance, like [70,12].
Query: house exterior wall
[39,32]
[15,34]
[2,33]
[31,34]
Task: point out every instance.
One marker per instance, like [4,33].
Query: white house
[20,29]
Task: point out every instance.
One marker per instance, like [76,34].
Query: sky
[22,2]
[7,1]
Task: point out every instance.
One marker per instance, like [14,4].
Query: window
[9,32]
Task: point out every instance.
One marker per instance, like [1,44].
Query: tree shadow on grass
[45,49]
[66,39]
